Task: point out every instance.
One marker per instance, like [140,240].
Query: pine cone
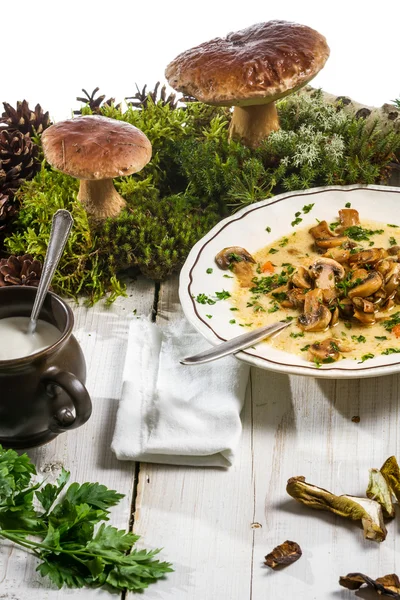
[20,270]
[24,119]
[8,209]
[95,104]
[18,160]
[142,97]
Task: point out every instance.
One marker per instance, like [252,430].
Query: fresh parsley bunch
[63,533]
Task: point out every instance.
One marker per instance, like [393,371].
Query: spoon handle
[60,229]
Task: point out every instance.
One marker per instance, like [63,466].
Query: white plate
[247,228]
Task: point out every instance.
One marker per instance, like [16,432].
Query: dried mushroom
[284,554]
[348,218]
[391,472]
[388,585]
[365,510]
[378,489]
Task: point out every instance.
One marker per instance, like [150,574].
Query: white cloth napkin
[175,414]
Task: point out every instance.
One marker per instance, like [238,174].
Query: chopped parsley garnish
[204,299]
[284,242]
[280,296]
[268,229]
[392,241]
[348,204]
[392,322]
[233,309]
[347,325]
[391,225]
[297,335]
[358,233]
[360,339]
[381,338]
[305,348]
[328,359]
[347,283]
[264,285]
[391,351]
[288,319]
[273,308]
[273,251]
[258,308]
[209,270]
[366,357]
[209,316]
[334,225]
[296,221]
[222,295]
[289,268]
[228,276]
[233,257]
[232,321]
[307,208]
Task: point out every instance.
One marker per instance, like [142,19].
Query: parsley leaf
[392,322]
[307,208]
[63,536]
[366,357]
[391,351]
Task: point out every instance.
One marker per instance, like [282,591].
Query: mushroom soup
[338,283]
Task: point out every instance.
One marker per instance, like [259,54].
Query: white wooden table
[217,525]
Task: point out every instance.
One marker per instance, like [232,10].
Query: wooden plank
[304,426]
[102,333]
[201,517]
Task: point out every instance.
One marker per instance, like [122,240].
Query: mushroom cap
[256,65]
[95,147]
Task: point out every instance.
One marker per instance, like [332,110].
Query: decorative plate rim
[205,328]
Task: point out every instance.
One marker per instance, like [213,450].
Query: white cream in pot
[15,342]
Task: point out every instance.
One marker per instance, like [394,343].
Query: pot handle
[63,419]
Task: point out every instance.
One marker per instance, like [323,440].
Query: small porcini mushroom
[239,261]
[364,305]
[368,257]
[341,255]
[365,318]
[96,149]
[231,255]
[249,70]
[301,279]
[326,271]
[325,238]
[392,279]
[328,350]
[316,316]
[368,286]
[348,217]
[295,298]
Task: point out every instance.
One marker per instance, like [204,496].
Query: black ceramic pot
[43,394]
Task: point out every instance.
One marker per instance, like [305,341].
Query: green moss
[194,179]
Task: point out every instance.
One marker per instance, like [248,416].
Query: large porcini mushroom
[326,272]
[316,316]
[96,149]
[239,261]
[250,70]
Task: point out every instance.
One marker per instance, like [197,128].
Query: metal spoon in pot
[60,230]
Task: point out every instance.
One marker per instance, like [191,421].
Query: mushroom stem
[252,124]
[100,198]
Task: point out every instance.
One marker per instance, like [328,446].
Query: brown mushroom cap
[94,147]
[256,65]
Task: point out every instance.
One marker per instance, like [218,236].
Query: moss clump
[195,178]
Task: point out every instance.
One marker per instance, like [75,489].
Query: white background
[50,50]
